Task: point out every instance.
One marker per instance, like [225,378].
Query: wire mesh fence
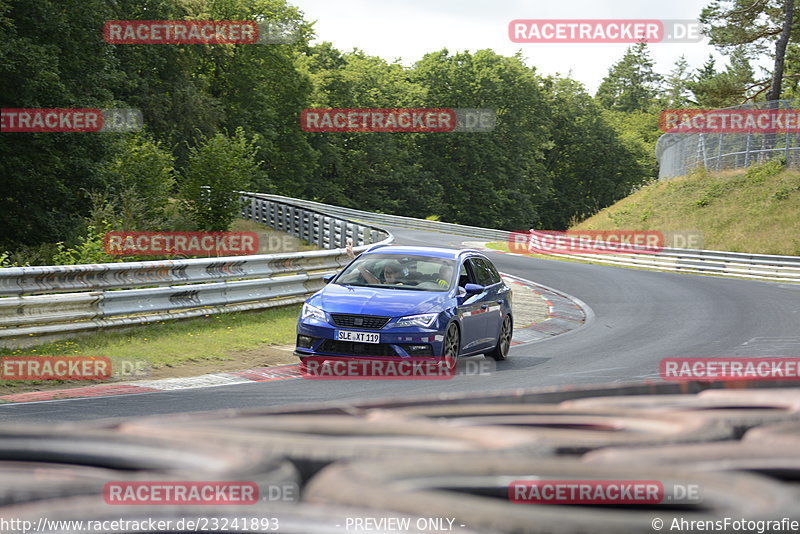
[680,153]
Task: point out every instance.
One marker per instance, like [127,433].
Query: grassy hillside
[747,210]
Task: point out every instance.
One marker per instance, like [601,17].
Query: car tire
[500,351]
[451,346]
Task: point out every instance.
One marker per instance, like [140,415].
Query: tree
[792,78]
[591,164]
[62,63]
[378,171]
[754,26]
[631,83]
[494,179]
[713,89]
[677,85]
[217,170]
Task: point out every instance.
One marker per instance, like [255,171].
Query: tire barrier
[779,461]
[312,442]
[475,492]
[714,453]
[780,434]
[540,395]
[577,431]
[37,465]
[740,411]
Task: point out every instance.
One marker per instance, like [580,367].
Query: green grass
[746,210]
[171,344]
[272,241]
[753,210]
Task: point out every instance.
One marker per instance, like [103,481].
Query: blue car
[403,301]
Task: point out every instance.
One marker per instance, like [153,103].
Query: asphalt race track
[639,318]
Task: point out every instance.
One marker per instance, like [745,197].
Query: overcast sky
[408,29]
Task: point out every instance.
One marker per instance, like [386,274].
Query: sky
[408,29]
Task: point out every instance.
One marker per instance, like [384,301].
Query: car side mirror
[474,289]
[328,277]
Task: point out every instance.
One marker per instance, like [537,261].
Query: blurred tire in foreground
[475,492]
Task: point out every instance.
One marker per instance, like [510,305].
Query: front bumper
[315,338]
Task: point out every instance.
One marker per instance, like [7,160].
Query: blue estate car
[404,301]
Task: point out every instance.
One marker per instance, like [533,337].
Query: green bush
[142,178]
[216,171]
[89,249]
[757,173]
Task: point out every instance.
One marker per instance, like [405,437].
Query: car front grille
[351,348]
[368,322]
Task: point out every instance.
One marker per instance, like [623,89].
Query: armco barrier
[46,300]
[121,294]
[392,220]
[731,264]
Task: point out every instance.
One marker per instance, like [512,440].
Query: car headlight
[424,320]
[312,312]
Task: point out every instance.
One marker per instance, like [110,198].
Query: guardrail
[695,261]
[123,294]
[393,220]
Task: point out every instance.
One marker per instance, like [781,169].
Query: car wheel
[500,351]
[452,341]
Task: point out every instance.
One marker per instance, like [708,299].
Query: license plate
[359,337]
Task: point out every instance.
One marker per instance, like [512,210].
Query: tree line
[227,117]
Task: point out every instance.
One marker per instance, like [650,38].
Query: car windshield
[400,271]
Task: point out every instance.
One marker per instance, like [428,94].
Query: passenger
[445,276]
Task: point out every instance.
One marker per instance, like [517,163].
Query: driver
[389,275]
